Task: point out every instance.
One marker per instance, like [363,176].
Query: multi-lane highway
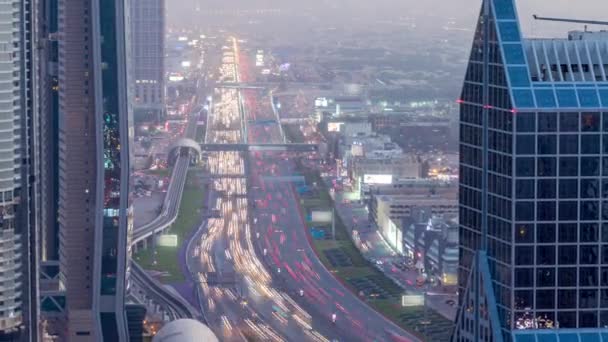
[257,273]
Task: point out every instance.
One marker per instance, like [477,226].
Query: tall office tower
[148,32]
[30,221]
[533,184]
[95,131]
[19,154]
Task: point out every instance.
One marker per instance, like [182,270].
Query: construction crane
[577,21]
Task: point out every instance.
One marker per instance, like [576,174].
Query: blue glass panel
[590,337]
[523,98]
[509,32]
[518,75]
[605,337]
[568,337]
[566,98]
[543,85]
[546,338]
[514,54]
[525,338]
[588,98]
[604,97]
[504,9]
[545,98]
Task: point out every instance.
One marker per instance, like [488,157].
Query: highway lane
[280,229]
[281,226]
[239,294]
[247,289]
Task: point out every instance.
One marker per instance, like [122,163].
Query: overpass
[263,85]
[260,147]
[288,121]
[148,286]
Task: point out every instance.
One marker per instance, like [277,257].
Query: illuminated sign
[319,216]
[378,179]
[321,102]
[186,64]
[334,126]
[176,78]
[167,240]
[412,300]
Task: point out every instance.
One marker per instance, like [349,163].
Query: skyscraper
[533,184]
[19,167]
[148,32]
[95,131]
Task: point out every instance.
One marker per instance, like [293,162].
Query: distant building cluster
[403,193]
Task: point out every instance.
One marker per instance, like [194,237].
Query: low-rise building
[387,210]
[363,169]
[433,244]
[385,207]
[418,186]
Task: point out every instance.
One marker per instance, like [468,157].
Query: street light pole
[333,222]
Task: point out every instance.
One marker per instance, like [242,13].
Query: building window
[590,166]
[547,188]
[568,122]
[566,299]
[545,277]
[568,188]
[568,166]
[590,144]
[547,122]
[547,144]
[524,277]
[590,188]
[568,211]
[567,277]
[567,255]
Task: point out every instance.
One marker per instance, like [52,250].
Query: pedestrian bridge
[260,147]
[181,146]
[185,145]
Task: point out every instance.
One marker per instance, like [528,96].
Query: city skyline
[313,171]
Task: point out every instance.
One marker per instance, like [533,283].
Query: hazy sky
[465,11]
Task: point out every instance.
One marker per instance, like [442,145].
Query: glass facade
[117,211]
[544,201]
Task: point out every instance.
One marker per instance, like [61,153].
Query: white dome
[185,330]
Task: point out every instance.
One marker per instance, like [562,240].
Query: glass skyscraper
[533,184]
[148,38]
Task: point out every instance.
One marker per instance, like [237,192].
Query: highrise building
[19,168]
[148,33]
[95,133]
[533,184]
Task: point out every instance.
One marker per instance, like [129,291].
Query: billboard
[412,300]
[321,102]
[377,179]
[169,240]
[175,77]
[321,216]
[334,126]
